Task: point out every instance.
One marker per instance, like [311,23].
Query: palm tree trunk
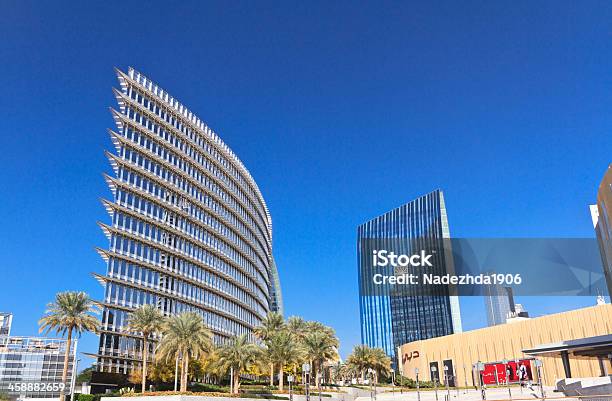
[271,374]
[318,378]
[312,367]
[145,351]
[236,382]
[66,360]
[280,377]
[184,372]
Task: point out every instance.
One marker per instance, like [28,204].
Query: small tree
[84,376]
[162,371]
[212,365]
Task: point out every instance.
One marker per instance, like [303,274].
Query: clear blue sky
[340,110]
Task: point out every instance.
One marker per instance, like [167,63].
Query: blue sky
[340,110]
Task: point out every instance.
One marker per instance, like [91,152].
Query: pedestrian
[522,372]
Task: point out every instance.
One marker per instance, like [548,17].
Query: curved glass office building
[189,230]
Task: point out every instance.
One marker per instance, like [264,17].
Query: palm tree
[364,358]
[238,353]
[284,351]
[184,336]
[361,359]
[297,327]
[380,362]
[147,320]
[347,371]
[270,325]
[265,361]
[70,312]
[321,346]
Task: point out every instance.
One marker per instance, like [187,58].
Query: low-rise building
[459,353]
[32,367]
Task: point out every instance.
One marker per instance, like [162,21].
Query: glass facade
[32,367]
[389,320]
[499,303]
[189,230]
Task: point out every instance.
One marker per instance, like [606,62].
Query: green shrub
[86,397]
[411,383]
[208,388]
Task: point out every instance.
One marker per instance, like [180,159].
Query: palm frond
[71,311]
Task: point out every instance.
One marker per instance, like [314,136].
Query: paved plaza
[516,393]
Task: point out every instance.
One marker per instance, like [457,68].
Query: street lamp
[306,370]
[372,389]
[319,380]
[416,373]
[506,367]
[75,371]
[456,381]
[179,356]
[435,380]
[446,380]
[538,364]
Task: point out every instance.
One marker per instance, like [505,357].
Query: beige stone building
[509,341]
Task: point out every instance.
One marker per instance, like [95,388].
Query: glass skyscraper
[499,303]
[390,318]
[189,229]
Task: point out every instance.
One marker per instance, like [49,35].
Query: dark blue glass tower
[390,319]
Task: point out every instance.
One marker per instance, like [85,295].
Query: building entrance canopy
[599,347]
